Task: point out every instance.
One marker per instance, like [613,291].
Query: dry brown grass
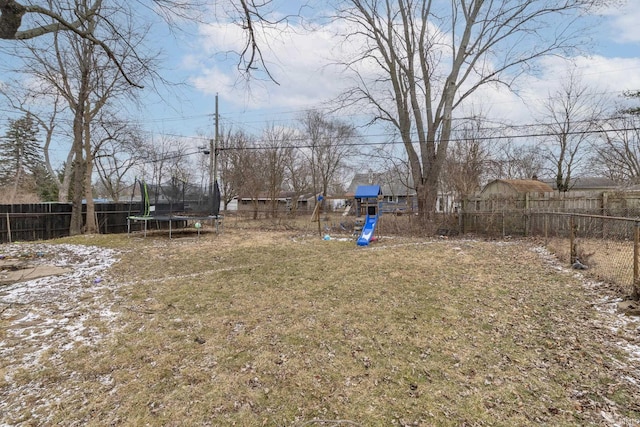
[255,327]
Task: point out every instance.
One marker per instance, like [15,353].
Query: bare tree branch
[250,14]
[432,56]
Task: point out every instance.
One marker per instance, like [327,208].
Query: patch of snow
[632,380]
[48,316]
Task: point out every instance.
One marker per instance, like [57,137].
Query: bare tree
[248,169]
[330,145]
[200,173]
[616,152]
[164,158]
[277,148]
[72,70]
[570,116]
[297,177]
[241,169]
[79,20]
[395,171]
[228,185]
[429,57]
[465,166]
[114,158]
[509,160]
[633,95]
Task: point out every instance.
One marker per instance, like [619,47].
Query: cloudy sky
[300,61]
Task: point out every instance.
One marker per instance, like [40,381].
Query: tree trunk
[90,221]
[63,191]
[427,194]
[16,183]
[75,226]
[78,171]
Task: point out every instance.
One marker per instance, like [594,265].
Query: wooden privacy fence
[615,203]
[530,222]
[43,221]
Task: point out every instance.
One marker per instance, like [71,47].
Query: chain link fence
[605,248]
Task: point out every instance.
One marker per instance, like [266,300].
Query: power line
[510,132]
[451,140]
[286,112]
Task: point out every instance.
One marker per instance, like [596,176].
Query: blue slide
[367,230]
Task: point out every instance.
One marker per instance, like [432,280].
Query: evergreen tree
[20,154]
[45,185]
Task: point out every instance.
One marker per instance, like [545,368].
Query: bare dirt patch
[13,270]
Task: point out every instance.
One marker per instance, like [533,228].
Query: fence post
[8,228]
[546,228]
[572,241]
[636,272]
[461,213]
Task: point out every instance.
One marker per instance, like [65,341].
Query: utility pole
[216,144]
[213,158]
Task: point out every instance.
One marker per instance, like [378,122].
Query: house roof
[586,183]
[524,185]
[364,191]
[389,186]
[282,195]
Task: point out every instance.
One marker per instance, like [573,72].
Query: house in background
[283,202]
[398,195]
[599,196]
[586,185]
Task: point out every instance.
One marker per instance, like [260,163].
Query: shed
[506,188]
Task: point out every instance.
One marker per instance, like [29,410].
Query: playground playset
[367,208]
[368,199]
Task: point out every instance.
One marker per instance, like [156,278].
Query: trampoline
[148,214]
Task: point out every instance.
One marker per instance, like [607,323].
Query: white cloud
[611,74]
[298,60]
[604,75]
[608,77]
[623,22]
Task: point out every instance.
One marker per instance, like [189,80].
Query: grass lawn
[275,328]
